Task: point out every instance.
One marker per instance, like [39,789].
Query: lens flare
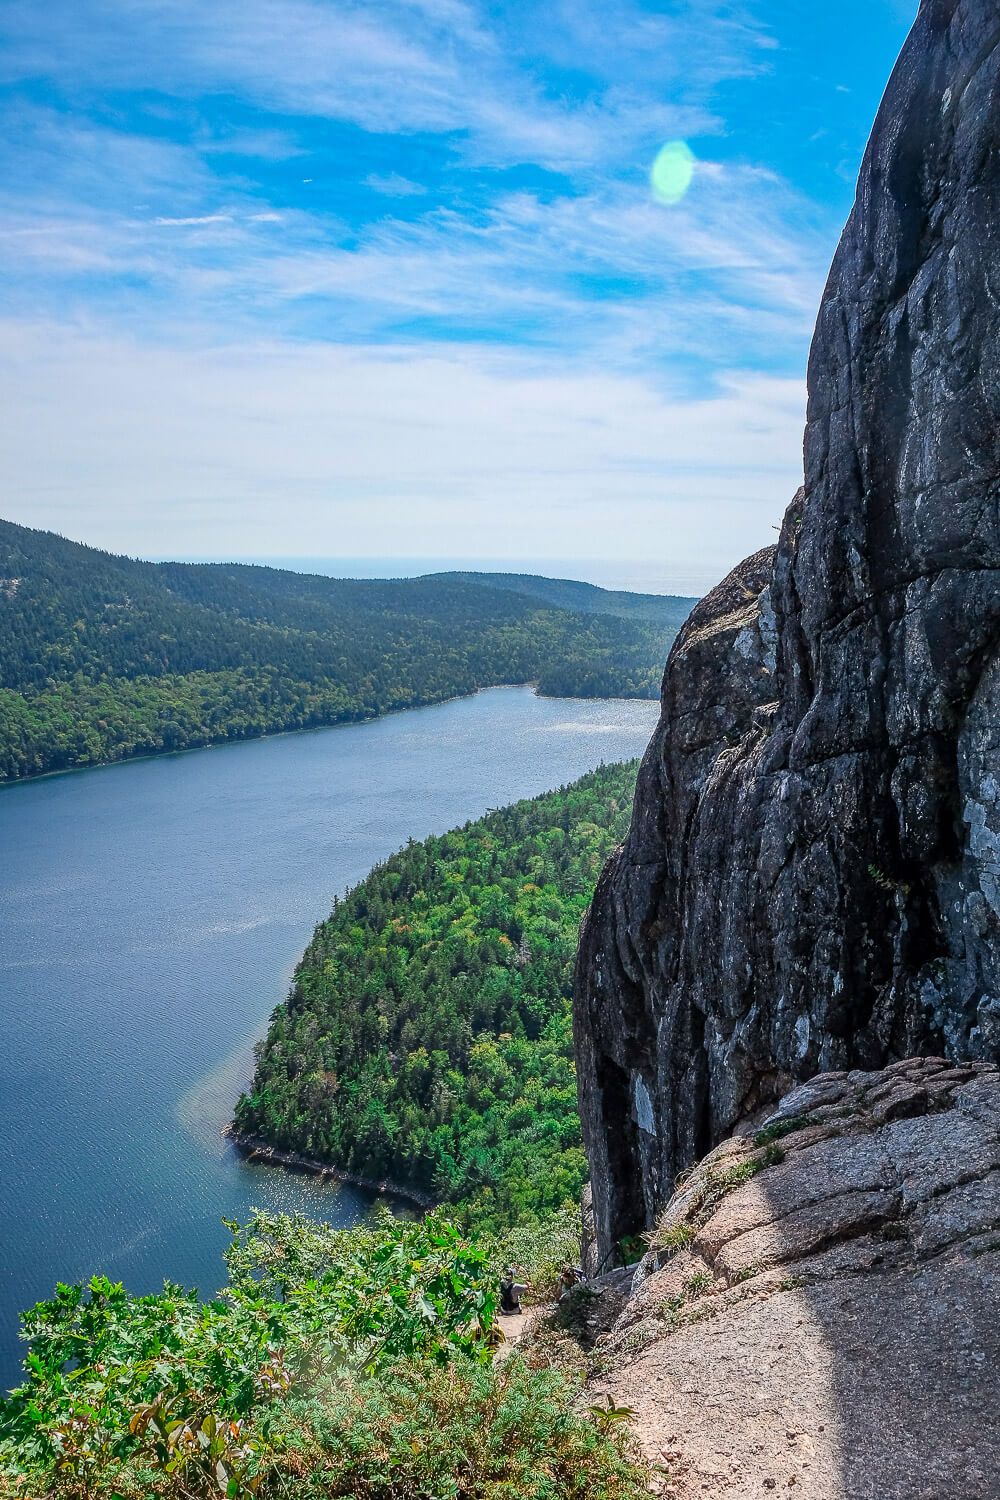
[672,171]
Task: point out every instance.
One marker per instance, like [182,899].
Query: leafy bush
[468,1433]
[335,1364]
[165,1390]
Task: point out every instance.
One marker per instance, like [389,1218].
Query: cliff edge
[812,877]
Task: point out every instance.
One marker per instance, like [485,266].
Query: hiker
[510,1292]
[569,1277]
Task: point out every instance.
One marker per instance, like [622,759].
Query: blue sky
[304,277]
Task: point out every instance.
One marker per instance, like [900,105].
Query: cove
[151,915]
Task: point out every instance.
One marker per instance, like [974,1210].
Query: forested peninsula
[427,1038]
[103,657]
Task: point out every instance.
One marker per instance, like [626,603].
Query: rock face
[812,878]
[820,1313]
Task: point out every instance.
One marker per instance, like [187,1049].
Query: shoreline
[275,734]
[256,1149]
[343,723]
[267,734]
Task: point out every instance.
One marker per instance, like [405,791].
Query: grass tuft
[778,1129]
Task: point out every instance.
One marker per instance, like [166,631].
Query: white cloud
[390,66]
[277,448]
[392,185]
[197,219]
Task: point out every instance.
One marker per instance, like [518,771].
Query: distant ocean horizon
[631,575]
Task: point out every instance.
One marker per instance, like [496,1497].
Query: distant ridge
[670,610]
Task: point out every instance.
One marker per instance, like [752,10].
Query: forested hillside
[670,610]
[104,657]
[428,1037]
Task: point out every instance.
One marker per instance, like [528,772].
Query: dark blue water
[150,918]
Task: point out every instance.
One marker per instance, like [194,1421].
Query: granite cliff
[812,877]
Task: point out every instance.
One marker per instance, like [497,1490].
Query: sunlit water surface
[150,918]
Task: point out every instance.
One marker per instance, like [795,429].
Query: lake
[151,915]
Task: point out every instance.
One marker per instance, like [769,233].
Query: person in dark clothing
[510,1292]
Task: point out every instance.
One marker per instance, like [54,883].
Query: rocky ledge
[819,1312]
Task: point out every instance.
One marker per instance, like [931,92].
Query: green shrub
[335,1364]
[165,1389]
[722,1180]
[778,1129]
[468,1433]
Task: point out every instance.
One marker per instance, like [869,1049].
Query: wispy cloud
[392,185]
[399,258]
[196,219]
[737,267]
[441,66]
[389,66]
[280,447]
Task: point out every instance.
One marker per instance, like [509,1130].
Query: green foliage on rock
[470,1433]
[102,657]
[427,1038]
